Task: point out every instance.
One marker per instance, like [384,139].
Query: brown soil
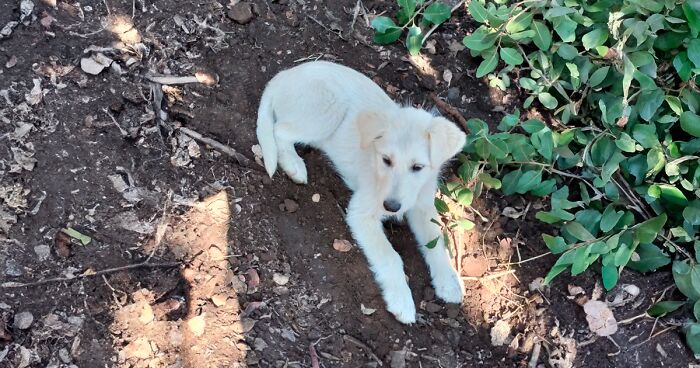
[259,282]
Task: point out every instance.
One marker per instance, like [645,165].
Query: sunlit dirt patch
[122,27]
[206,329]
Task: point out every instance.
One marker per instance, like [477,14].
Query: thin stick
[242,160]
[123,132]
[314,356]
[364,347]
[450,110]
[489,277]
[526,260]
[535,357]
[13,285]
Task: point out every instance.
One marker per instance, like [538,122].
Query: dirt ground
[233,269]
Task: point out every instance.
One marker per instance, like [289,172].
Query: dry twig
[364,347]
[242,160]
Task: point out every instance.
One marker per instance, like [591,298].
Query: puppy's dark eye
[387,161]
[416,168]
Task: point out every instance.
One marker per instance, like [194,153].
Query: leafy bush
[619,159]
[430,13]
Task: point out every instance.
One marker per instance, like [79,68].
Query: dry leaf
[511,213]
[447,76]
[280,279]
[36,94]
[575,290]
[342,245]
[500,333]
[11,62]
[367,311]
[197,325]
[600,318]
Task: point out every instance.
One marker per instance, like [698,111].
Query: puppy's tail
[266,134]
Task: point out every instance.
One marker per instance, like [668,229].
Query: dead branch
[13,285]
[364,347]
[242,160]
[449,110]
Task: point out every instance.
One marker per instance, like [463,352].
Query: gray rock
[13,269]
[23,320]
[241,13]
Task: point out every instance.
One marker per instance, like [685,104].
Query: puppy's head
[407,146]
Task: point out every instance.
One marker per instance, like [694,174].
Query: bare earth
[240,270]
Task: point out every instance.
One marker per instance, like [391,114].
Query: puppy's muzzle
[392,205]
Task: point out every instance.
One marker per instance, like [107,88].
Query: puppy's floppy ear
[446,140]
[371,125]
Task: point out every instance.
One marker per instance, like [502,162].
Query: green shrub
[620,159]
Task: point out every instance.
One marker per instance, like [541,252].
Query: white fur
[348,117]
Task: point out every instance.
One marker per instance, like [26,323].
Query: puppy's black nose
[392,205]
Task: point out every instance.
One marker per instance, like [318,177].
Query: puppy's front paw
[400,304]
[448,286]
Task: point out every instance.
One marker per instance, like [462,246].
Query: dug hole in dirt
[144,247]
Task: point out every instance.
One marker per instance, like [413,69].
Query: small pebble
[431,307]
[290,205]
[316,198]
[12,268]
[23,320]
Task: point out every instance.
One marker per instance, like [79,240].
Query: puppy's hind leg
[288,158]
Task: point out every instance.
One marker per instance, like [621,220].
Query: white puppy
[390,157]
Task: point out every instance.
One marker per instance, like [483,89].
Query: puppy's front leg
[447,283]
[386,264]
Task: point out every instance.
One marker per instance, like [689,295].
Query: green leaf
[480,40]
[645,134]
[390,36]
[567,52]
[646,231]
[578,231]
[655,161]
[431,244]
[610,276]
[690,123]
[691,214]
[465,197]
[691,9]
[663,308]
[696,311]
[437,13]
[594,38]
[511,56]
[556,245]
[651,257]
[547,100]
[75,234]
[406,11]
[694,52]
[687,279]
[625,143]
[465,224]
[478,11]
[414,40]
[528,83]
[610,218]
[383,24]
[510,182]
[580,260]
[542,37]
[565,28]
[520,22]
[648,102]
[598,76]
[554,216]
[683,66]
[441,206]
[488,64]
[692,332]
[671,194]
[522,36]
[675,104]
[489,181]
[544,188]
[528,180]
